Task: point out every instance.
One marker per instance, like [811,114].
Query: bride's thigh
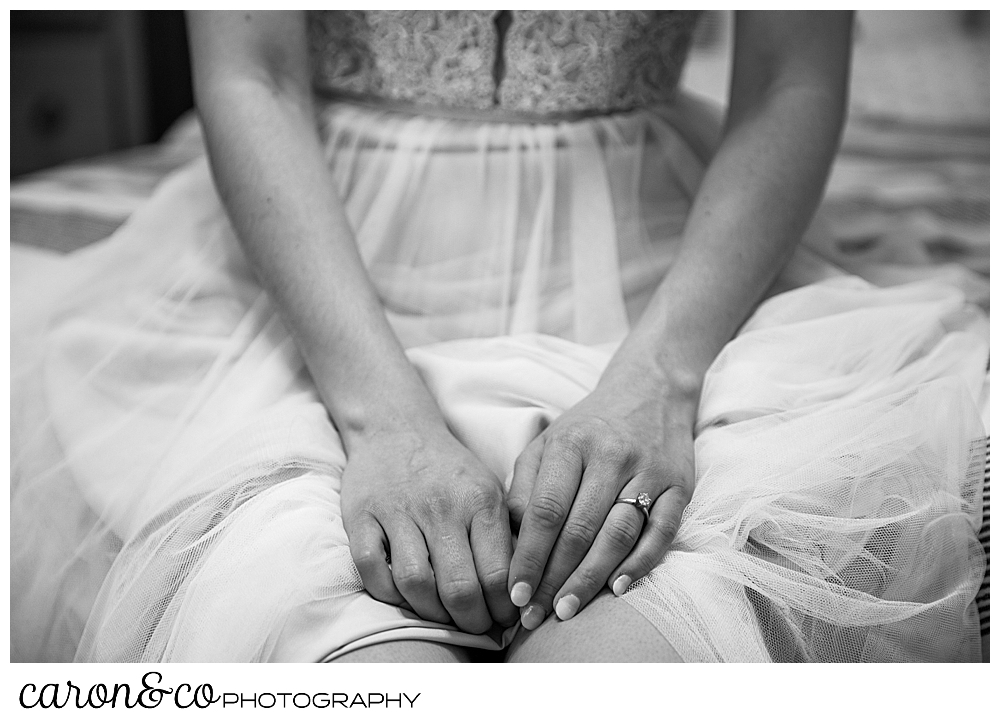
[608,630]
[405,651]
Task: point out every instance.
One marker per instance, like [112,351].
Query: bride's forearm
[269,169]
[757,197]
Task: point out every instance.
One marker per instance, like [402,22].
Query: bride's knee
[609,630]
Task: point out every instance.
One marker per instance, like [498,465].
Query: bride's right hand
[425,501]
[417,492]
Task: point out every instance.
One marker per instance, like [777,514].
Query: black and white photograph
[499,336]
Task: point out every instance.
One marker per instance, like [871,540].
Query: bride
[435,352]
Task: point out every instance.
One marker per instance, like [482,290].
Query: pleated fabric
[175,477]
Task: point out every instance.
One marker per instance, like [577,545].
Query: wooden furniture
[82,82]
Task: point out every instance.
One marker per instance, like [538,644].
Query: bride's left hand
[631,435]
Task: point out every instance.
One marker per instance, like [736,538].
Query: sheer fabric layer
[175,478]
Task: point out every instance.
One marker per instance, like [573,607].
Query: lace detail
[554,61]
[428,57]
[605,59]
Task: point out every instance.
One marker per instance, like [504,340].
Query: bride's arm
[634,433]
[252,86]
[253,96]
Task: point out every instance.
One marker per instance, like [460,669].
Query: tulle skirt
[175,477]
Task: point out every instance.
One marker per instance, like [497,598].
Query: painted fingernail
[520,594]
[621,585]
[532,616]
[567,606]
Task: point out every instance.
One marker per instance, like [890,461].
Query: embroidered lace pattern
[545,62]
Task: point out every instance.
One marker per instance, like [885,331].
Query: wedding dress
[517,183]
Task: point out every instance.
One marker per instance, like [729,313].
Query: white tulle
[175,478]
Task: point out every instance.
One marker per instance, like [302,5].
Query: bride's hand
[425,501]
[630,436]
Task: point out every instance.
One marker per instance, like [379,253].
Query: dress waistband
[499,115]
[364,122]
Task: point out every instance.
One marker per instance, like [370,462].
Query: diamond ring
[642,502]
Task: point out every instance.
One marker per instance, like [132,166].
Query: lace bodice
[540,62]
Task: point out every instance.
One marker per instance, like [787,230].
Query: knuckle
[459,594]
[439,507]
[665,528]
[617,450]
[368,558]
[644,563]
[572,439]
[532,559]
[588,579]
[594,441]
[578,534]
[623,532]
[410,577]
[487,497]
[685,492]
[660,469]
[548,511]
[547,590]
[494,580]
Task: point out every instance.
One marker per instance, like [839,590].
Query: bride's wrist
[401,422]
[657,374]
[384,414]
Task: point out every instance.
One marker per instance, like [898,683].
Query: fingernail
[532,616]
[520,594]
[621,585]
[567,606]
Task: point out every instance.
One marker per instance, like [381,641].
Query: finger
[614,542]
[551,498]
[525,472]
[412,572]
[601,485]
[664,521]
[490,538]
[457,581]
[368,549]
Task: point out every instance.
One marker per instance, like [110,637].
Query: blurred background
[85,82]
[909,192]
[922,64]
